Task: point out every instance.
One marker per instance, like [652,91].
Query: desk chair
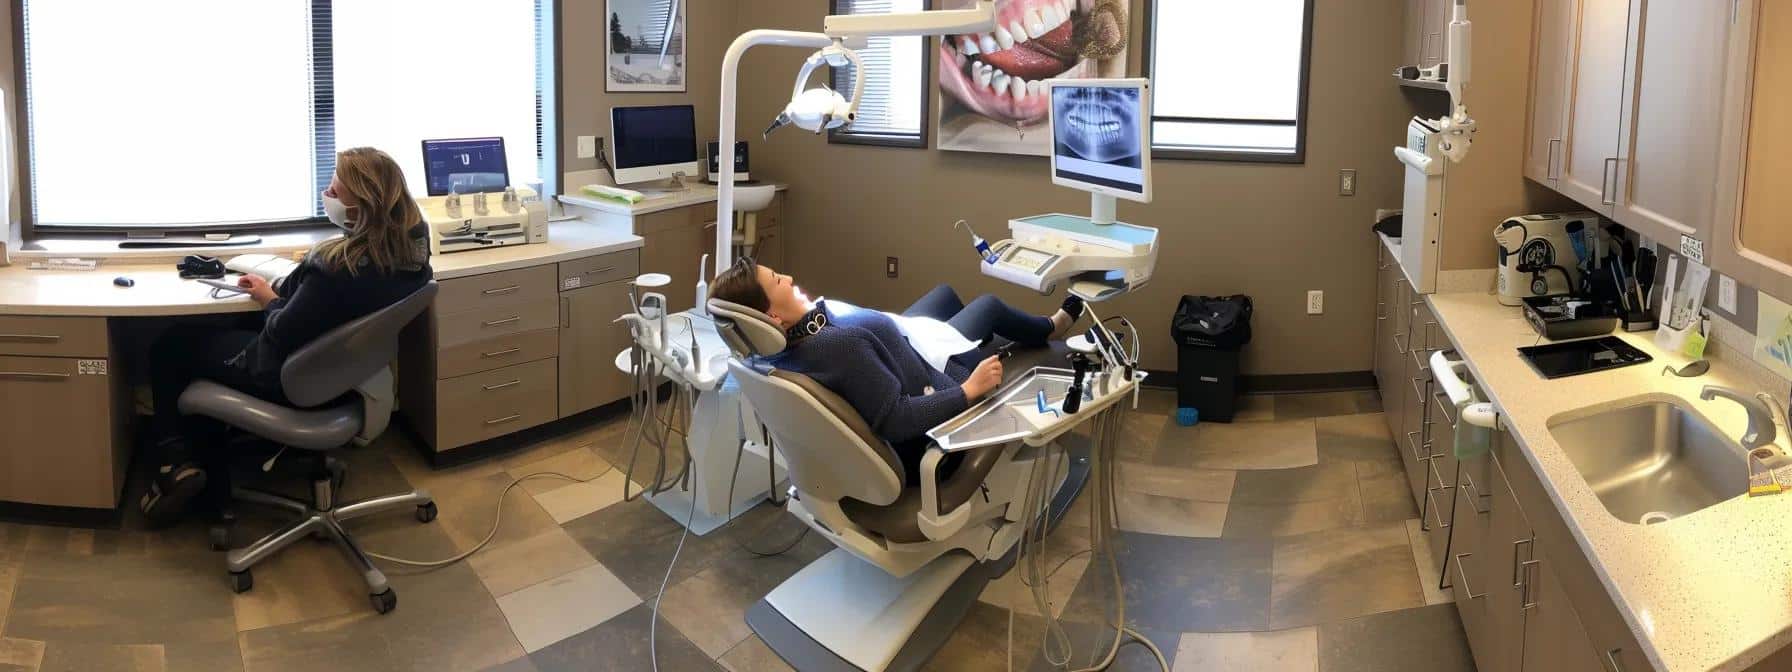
[340,386]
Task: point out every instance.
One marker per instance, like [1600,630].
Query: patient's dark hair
[740,284]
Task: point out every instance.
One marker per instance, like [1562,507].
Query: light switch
[587,146]
[1726,293]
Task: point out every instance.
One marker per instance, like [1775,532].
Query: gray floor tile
[90,657]
[1251,445]
[1318,405]
[337,644]
[120,599]
[1355,437]
[1314,483]
[20,655]
[1428,638]
[621,643]
[1291,518]
[1294,650]
[711,607]
[982,642]
[1386,496]
[1333,575]
[635,541]
[1090,643]
[753,655]
[567,605]
[1176,584]
[445,621]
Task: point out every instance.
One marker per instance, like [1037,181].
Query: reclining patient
[904,374]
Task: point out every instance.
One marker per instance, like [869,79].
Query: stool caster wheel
[241,582]
[384,602]
[426,512]
[219,535]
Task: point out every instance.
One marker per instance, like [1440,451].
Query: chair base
[323,518]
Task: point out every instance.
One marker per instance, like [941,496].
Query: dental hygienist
[382,258]
[904,374]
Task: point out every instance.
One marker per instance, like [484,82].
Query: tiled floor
[1284,541]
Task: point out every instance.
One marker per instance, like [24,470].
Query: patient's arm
[871,385]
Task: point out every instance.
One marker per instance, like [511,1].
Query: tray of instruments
[1017,412]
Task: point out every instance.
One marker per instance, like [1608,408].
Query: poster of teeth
[646,39]
[992,90]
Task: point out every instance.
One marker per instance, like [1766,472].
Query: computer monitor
[1101,136]
[465,165]
[653,143]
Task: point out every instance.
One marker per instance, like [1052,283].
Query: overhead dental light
[823,109]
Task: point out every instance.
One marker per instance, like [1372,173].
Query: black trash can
[1210,332]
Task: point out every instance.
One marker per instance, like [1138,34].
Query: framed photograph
[992,85]
[646,46]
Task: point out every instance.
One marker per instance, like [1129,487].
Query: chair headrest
[748,332]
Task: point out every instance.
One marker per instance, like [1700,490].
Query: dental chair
[912,557]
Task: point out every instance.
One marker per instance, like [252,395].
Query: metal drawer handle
[1524,600]
[499,421]
[1551,171]
[1608,178]
[29,337]
[1463,574]
[506,320]
[1415,448]
[1401,347]
[1611,658]
[501,386]
[1474,493]
[1431,503]
[1515,562]
[1443,406]
[500,353]
[34,375]
[501,290]
[605,269]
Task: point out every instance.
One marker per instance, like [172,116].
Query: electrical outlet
[890,267]
[1316,302]
[1726,293]
[1347,182]
[587,146]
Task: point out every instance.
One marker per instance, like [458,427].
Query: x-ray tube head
[1101,136]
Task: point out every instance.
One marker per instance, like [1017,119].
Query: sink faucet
[1760,409]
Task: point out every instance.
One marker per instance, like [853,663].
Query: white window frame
[1299,153]
[916,140]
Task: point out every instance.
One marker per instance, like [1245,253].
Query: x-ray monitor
[1101,136]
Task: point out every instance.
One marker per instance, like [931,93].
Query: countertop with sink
[1709,590]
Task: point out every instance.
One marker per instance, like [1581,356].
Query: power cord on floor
[497,520]
[653,626]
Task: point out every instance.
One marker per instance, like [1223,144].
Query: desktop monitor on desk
[465,165]
[653,143]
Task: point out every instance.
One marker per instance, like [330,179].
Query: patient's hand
[986,378]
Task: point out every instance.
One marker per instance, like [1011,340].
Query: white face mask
[337,212]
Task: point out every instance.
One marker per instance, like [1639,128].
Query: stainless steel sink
[1653,460]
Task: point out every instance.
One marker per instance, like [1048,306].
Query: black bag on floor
[1219,322]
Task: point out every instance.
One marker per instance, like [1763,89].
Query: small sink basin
[1654,459]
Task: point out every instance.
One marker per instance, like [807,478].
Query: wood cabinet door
[1469,558]
[1553,36]
[58,417]
[1415,42]
[1554,639]
[1437,31]
[1750,236]
[1594,103]
[589,342]
[674,243]
[1672,120]
[1510,544]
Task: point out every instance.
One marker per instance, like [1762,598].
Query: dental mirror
[1692,369]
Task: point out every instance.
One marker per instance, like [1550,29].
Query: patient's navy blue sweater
[863,356]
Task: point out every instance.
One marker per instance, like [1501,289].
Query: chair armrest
[936,524]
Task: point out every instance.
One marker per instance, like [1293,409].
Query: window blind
[893,101]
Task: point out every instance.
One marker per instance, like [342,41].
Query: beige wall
[585,107]
[1271,231]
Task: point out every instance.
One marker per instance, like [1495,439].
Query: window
[223,113]
[1229,79]
[893,111]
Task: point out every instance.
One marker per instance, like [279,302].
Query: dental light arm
[838,28]
[1458,128]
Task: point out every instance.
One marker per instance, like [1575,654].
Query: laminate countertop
[1710,590]
[696,193]
[159,291]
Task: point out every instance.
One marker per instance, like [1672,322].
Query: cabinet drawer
[484,405]
[600,269]
[498,351]
[53,336]
[59,424]
[476,325]
[496,289]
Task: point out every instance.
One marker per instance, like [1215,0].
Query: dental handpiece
[1073,398]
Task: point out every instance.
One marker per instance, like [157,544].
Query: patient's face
[787,300]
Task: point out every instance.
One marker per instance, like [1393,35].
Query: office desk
[66,407]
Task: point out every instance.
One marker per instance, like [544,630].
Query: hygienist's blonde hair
[384,214]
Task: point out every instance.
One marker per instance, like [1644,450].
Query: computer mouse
[122,281]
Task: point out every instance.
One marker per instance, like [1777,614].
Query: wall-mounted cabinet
[1627,101]
[1427,31]
[1751,240]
